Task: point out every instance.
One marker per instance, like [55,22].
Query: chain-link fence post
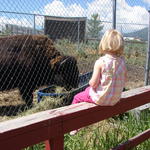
[78,33]
[114,14]
[34,30]
[148,55]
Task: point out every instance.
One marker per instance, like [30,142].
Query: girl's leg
[82,97]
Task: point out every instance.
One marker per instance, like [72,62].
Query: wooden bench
[51,125]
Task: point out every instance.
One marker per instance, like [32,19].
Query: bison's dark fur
[31,61]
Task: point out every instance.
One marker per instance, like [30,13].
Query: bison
[30,61]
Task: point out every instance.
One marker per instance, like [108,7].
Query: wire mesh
[31,61]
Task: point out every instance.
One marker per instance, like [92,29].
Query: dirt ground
[135,76]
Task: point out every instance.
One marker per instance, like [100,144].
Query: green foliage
[142,34]
[5,32]
[94,26]
[87,52]
[40,146]
[110,134]
[93,44]
[135,53]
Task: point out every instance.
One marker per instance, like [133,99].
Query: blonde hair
[112,42]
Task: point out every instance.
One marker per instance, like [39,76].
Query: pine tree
[94,26]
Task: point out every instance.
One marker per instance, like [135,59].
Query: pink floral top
[112,81]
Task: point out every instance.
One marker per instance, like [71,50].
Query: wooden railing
[51,125]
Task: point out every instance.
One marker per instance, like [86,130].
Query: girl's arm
[95,80]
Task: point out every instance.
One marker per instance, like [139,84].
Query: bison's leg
[27,96]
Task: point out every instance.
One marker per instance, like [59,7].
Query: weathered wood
[53,124]
[92,113]
[132,142]
[56,143]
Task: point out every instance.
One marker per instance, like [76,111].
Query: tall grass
[87,53]
[109,134]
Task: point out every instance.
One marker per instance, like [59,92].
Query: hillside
[142,34]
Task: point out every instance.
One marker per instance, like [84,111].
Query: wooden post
[47,145]
[55,144]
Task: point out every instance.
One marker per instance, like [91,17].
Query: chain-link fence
[30,60]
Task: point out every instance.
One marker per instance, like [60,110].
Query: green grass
[110,134]
[135,53]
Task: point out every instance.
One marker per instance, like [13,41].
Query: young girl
[109,73]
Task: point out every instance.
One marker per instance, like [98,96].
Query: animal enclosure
[65,28]
[29,65]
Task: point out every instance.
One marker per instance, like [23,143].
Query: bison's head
[66,72]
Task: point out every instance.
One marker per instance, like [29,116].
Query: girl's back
[112,80]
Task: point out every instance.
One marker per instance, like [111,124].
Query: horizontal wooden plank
[134,141]
[27,138]
[26,124]
[24,140]
[91,113]
[52,115]
[99,113]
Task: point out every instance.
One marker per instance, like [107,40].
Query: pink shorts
[82,97]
